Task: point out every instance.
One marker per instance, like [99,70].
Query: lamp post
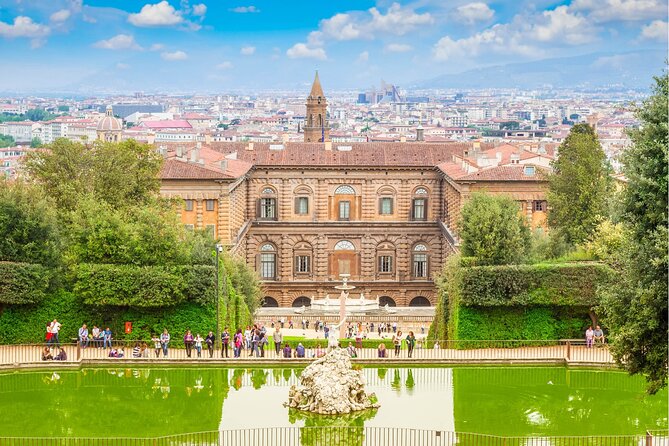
[219,249]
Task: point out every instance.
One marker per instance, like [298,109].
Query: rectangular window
[189,227]
[267,265]
[344,210]
[385,264]
[189,205]
[211,230]
[419,209]
[539,206]
[302,264]
[302,205]
[420,265]
[386,206]
[268,208]
[210,204]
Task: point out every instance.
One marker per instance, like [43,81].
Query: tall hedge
[23,283]
[143,286]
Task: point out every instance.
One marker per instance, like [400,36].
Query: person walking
[397,342]
[198,345]
[188,342]
[83,336]
[225,342]
[165,341]
[278,340]
[411,342]
[209,340]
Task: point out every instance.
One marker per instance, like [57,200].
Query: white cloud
[60,15]
[248,50]
[397,20]
[656,30]
[561,24]
[24,27]
[122,66]
[245,9]
[157,47]
[363,57]
[303,51]
[341,27]
[224,65]
[200,9]
[398,47]
[118,42]
[174,56]
[159,14]
[621,10]
[474,12]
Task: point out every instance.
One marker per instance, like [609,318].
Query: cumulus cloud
[200,9]
[474,12]
[174,56]
[245,9]
[247,50]
[656,30]
[341,27]
[159,14]
[118,42]
[398,47]
[621,10]
[303,51]
[363,57]
[561,24]
[60,15]
[24,27]
[397,20]
[224,65]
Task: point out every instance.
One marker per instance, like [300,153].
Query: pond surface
[141,402]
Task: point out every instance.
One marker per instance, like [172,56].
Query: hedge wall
[143,286]
[573,284]
[23,283]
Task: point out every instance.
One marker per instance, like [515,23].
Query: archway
[269,301]
[383,300]
[302,300]
[420,301]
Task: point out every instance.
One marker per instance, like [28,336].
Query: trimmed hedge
[143,286]
[23,283]
[572,284]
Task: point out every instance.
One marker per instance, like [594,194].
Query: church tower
[316,126]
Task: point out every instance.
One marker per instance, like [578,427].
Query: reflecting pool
[143,402]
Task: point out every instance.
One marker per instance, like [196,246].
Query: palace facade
[301,214]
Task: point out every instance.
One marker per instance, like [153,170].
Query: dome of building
[109,122]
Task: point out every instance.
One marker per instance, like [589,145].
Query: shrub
[23,283]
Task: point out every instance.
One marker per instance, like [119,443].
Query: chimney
[420,134]
[198,145]
[477,145]
[249,146]
[207,138]
[194,155]
[403,138]
[224,165]
[328,145]
[180,152]
[285,138]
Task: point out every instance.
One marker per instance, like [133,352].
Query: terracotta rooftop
[505,173]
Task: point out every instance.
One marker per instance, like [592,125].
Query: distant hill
[629,70]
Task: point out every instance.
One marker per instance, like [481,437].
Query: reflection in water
[347,429]
[539,401]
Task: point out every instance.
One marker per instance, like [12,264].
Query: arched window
[420,261]
[386,300]
[385,253]
[268,261]
[269,301]
[344,190]
[302,301]
[419,204]
[420,301]
[302,198]
[267,204]
[302,259]
[386,200]
[344,245]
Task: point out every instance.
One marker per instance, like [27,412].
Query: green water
[496,400]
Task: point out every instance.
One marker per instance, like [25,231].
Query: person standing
[165,342]
[83,336]
[156,344]
[225,342]
[278,340]
[107,338]
[49,335]
[248,337]
[238,342]
[262,340]
[55,328]
[589,337]
[198,345]
[411,342]
[209,340]
[188,342]
[397,342]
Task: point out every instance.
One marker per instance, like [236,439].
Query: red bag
[49,336]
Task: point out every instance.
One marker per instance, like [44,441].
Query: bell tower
[316,125]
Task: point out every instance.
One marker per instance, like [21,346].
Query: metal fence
[423,351]
[348,436]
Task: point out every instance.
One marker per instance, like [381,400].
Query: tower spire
[316,89]
[316,125]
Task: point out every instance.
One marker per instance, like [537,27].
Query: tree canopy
[579,186]
[635,308]
[493,230]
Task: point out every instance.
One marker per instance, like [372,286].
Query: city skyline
[205,46]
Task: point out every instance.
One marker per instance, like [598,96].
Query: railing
[424,351]
[347,436]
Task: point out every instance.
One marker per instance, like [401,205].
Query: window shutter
[306,200]
[412,214]
[297,205]
[425,208]
[392,204]
[380,205]
[258,215]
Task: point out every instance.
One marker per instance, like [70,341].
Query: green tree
[7,141]
[493,230]
[35,143]
[635,308]
[579,186]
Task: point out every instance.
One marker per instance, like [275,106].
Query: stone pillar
[198,213]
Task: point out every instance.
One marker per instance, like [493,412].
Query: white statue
[362,297]
[327,300]
[333,338]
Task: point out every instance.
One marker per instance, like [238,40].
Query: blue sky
[220,45]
